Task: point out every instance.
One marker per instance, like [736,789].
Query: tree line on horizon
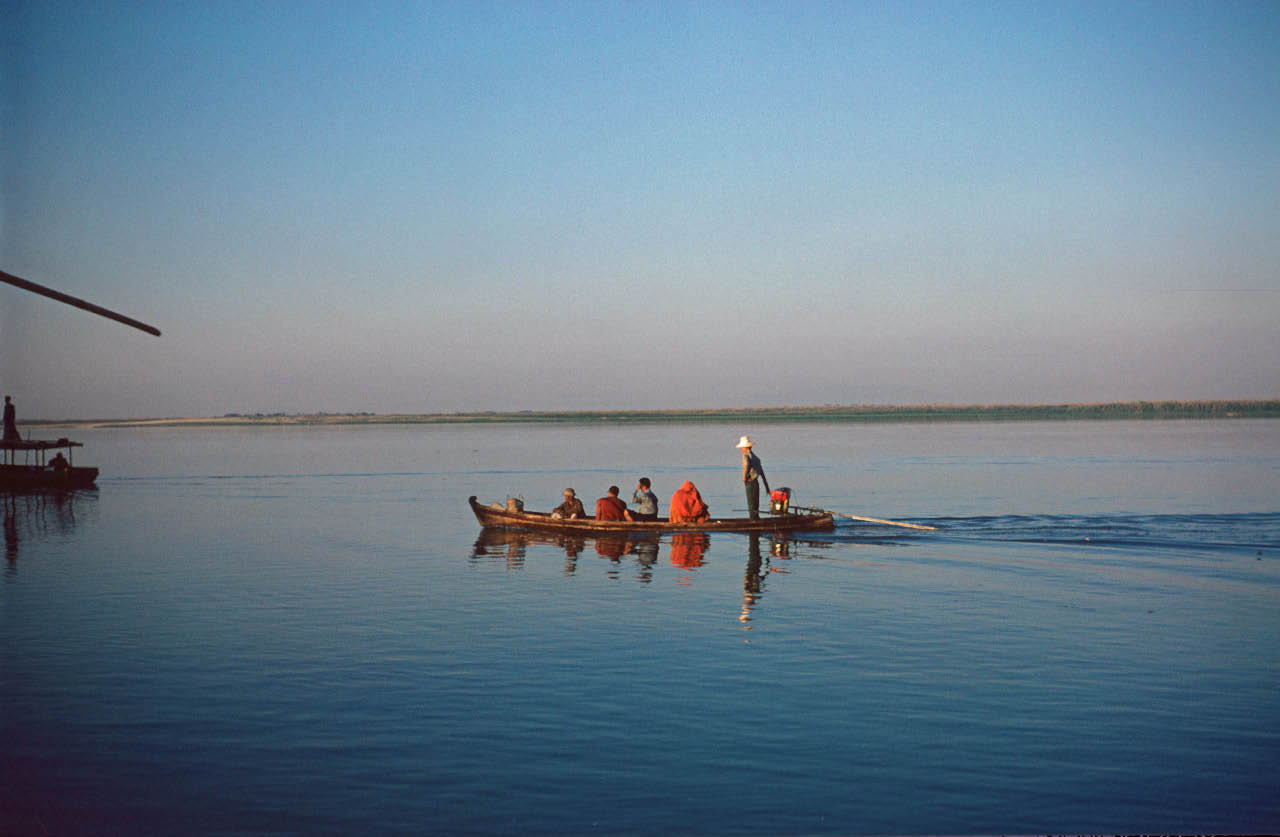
[1223,409]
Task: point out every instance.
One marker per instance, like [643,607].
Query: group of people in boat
[687,505]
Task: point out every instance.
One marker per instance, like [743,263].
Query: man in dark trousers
[752,471]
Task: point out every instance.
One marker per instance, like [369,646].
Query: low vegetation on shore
[853,413]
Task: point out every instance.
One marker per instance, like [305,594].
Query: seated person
[571,508]
[611,508]
[646,502]
[59,462]
[687,505]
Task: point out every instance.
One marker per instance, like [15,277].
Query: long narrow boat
[542,521]
[56,475]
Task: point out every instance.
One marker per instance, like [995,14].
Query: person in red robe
[611,507]
[687,505]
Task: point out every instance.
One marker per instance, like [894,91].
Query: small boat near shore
[58,474]
[544,522]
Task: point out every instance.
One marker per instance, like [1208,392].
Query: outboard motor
[779,500]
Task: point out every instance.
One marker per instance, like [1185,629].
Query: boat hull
[36,478]
[542,522]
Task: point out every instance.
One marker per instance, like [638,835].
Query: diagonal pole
[888,522]
[881,521]
[77,302]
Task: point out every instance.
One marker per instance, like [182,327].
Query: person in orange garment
[611,508]
[687,505]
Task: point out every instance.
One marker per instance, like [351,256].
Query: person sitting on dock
[646,502]
[571,508]
[611,508]
[687,505]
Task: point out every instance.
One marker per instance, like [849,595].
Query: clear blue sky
[414,207]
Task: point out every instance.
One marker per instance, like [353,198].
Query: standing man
[752,471]
[10,421]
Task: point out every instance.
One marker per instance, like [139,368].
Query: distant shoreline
[1117,410]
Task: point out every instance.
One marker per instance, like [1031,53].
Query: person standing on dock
[752,472]
[11,433]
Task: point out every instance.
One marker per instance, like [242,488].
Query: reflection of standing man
[752,471]
[10,421]
[10,528]
[753,582]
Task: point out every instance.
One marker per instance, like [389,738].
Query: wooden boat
[544,522]
[41,475]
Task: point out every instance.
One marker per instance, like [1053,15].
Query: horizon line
[1196,406]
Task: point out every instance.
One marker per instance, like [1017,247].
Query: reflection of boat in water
[542,521]
[497,541]
[687,548]
[511,545]
[58,474]
[32,516]
[686,552]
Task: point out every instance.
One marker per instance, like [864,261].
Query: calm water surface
[305,630]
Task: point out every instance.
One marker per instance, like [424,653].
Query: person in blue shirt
[646,502]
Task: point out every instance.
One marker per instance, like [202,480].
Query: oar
[77,302]
[887,522]
[869,519]
[865,520]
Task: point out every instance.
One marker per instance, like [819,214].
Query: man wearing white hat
[752,471]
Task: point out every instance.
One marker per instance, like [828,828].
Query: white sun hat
[744,442]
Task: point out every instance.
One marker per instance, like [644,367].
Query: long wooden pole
[888,522]
[77,302]
[919,526]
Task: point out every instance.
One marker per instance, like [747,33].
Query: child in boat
[687,505]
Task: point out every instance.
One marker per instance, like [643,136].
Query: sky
[401,207]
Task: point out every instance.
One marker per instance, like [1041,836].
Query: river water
[305,630]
